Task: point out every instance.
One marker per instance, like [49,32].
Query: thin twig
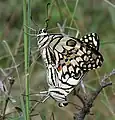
[11,80]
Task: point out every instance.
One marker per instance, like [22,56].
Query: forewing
[91,40]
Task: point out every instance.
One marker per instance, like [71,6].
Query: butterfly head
[42,32]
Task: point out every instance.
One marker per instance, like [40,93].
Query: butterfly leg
[30,28]
[30,34]
[43,93]
[45,98]
[62,28]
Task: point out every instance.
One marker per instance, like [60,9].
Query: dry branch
[87,104]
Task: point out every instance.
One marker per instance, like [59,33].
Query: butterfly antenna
[34,21]
[47,16]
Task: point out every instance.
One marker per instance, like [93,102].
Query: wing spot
[93,34]
[88,52]
[86,40]
[89,66]
[94,41]
[97,62]
[90,38]
[94,66]
[85,36]
[84,66]
[81,64]
[71,43]
[86,58]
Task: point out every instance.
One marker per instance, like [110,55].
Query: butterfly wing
[91,40]
[75,58]
[71,59]
[78,53]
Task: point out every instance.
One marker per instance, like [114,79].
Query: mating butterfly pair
[67,60]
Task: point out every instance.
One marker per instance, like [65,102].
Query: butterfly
[67,60]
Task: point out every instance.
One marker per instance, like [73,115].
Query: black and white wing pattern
[91,40]
[67,60]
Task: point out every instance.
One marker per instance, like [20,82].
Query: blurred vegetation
[83,15]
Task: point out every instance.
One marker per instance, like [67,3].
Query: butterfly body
[68,60]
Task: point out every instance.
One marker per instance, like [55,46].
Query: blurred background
[85,16]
